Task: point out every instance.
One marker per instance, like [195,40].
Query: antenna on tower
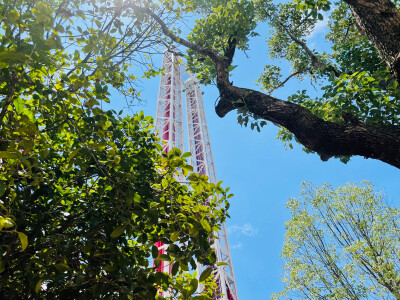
[169,123]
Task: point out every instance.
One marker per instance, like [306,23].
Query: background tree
[357,110]
[341,244]
[84,192]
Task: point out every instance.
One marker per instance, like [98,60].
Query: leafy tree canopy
[357,109]
[84,192]
[341,244]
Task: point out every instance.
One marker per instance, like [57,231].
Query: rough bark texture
[379,20]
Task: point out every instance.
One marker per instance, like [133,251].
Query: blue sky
[263,175]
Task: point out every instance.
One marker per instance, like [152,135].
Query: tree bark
[379,20]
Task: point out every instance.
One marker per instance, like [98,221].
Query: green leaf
[8,223]
[192,263]
[137,198]
[205,274]
[38,286]
[13,16]
[174,236]
[186,154]
[73,153]
[98,88]
[222,263]
[193,286]
[153,204]
[173,249]
[2,266]
[164,257]
[2,188]
[118,231]
[12,57]
[24,240]
[183,266]
[154,251]
[62,267]
[205,225]
[19,105]
[175,269]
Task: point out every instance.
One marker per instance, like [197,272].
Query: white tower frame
[169,117]
[169,123]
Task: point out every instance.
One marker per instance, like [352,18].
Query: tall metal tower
[169,123]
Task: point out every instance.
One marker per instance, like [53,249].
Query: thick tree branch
[230,50]
[326,138]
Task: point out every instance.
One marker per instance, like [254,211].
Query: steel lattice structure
[169,123]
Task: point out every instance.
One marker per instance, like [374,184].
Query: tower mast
[169,120]
[171,124]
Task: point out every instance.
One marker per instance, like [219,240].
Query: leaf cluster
[223,27]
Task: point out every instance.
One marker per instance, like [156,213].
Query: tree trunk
[379,20]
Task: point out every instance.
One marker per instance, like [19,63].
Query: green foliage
[185,287]
[348,75]
[85,192]
[88,204]
[226,23]
[341,244]
[352,77]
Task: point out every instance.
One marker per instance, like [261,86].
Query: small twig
[286,80]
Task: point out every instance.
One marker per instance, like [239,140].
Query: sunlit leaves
[221,26]
[23,239]
[341,243]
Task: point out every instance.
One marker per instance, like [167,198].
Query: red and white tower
[169,123]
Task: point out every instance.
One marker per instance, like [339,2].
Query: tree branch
[315,61]
[326,138]
[10,95]
[220,63]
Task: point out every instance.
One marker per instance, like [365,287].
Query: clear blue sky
[263,175]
